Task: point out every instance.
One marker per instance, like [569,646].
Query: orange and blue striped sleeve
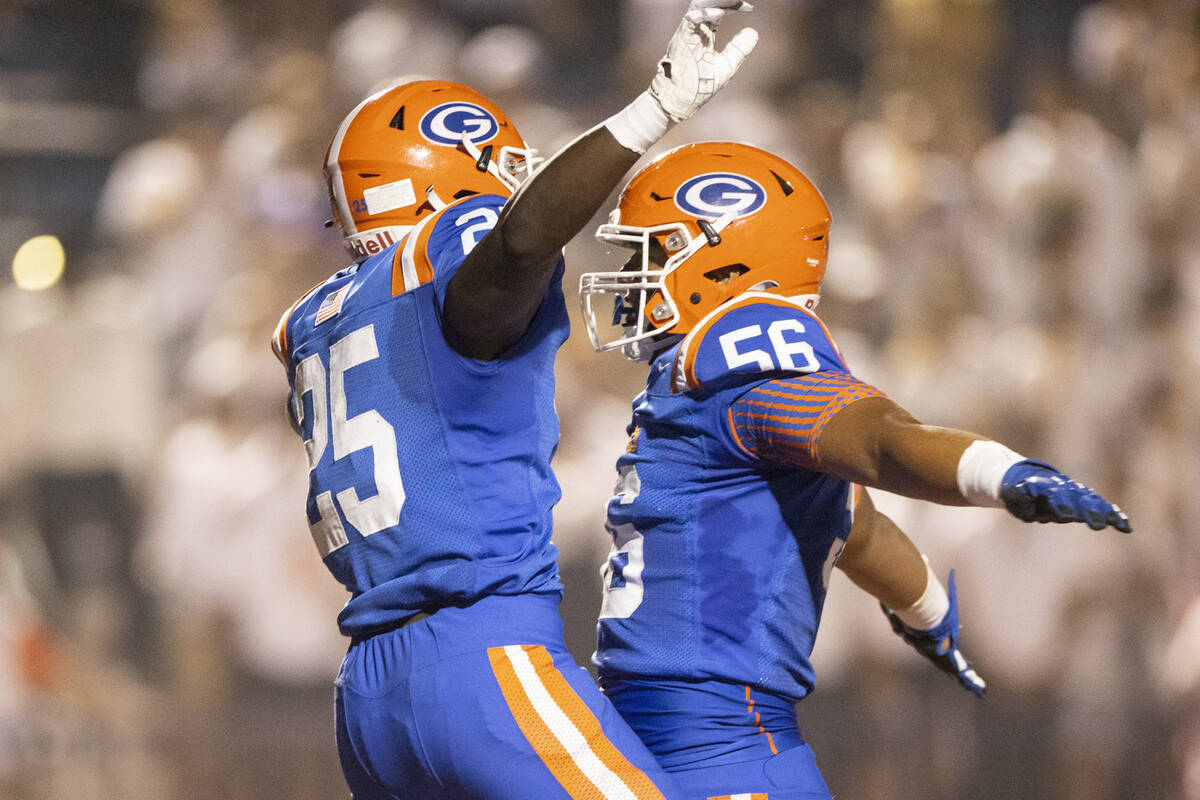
[781,420]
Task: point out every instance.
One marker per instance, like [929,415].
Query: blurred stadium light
[39,263]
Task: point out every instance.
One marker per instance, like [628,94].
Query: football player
[422,385]
[737,494]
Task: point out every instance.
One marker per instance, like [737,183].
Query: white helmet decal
[715,194]
[449,123]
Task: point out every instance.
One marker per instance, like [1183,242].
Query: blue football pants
[790,775]
[484,702]
[721,740]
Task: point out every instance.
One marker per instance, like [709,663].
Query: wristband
[981,470]
[640,124]
[927,612]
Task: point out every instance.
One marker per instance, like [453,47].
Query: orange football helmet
[711,220]
[408,150]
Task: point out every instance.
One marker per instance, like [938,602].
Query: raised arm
[877,443]
[496,291]
[500,285]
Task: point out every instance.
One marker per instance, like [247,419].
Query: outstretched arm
[880,559]
[877,443]
[498,288]
[883,562]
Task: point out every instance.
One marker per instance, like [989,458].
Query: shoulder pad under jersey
[281,339]
[756,335]
[435,247]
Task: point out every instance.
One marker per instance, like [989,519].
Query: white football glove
[693,70]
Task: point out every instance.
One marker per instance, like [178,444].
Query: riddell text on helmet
[368,244]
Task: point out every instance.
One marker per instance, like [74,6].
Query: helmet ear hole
[727,273]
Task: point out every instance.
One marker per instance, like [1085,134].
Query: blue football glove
[940,644]
[1034,491]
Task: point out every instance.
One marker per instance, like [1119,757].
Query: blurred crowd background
[1015,187]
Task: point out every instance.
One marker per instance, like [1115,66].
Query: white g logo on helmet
[448,123]
[715,194]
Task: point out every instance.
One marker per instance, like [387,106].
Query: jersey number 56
[794,356]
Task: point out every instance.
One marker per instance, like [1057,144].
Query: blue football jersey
[721,557]
[430,481]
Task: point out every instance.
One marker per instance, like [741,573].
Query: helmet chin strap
[432,196]
[723,221]
[485,158]
[709,238]
[712,230]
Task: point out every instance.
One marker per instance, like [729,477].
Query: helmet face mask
[405,152]
[637,287]
[642,295]
[707,222]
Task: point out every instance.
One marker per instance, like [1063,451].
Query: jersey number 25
[366,430]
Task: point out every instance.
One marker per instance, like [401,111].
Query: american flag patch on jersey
[331,305]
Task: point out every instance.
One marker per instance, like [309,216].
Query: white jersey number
[622,574]
[349,435]
[471,236]
[622,571]
[793,356]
